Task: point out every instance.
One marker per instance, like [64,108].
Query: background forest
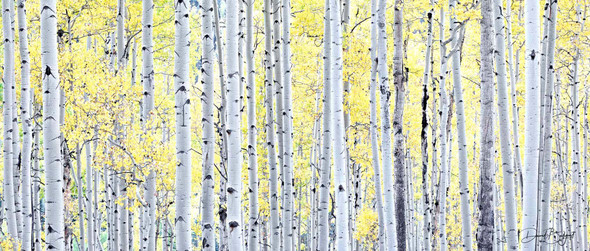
[274,129]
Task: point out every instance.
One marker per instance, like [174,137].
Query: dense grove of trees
[294,125]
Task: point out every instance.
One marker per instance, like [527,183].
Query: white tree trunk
[547,134]
[339,137]
[121,46]
[182,220]
[531,145]
[252,132]
[326,160]
[26,117]
[270,133]
[89,202]
[36,188]
[444,115]
[82,234]
[485,230]
[287,120]
[54,212]
[234,188]
[373,128]
[208,149]
[504,118]
[8,80]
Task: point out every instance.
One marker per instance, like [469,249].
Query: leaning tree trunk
[547,134]
[252,132]
[531,144]
[234,188]
[8,85]
[182,220]
[504,120]
[54,211]
[373,128]
[398,122]
[208,148]
[485,231]
[461,140]
[337,116]
[326,160]
[385,127]
[26,119]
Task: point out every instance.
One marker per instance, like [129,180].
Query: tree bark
[485,231]
[183,194]
[54,212]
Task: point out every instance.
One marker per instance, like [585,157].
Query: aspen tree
[388,205]
[287,120]
[252,132]
[373,128]
[398,117]
[234,188]
[8,84]
[547,134]
[54,212]
[485,228]
[26,120]
[182,220]
[503,120]
[208,137]
[426,206]
[339,141]
[531,144]
[325,159]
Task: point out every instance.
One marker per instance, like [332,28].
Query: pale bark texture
[339,137]
[8,86]
[182,220]
[385,128]
[287,118]
[208,136]
[26,119]
[54,211]
[504,118]
[398,123]
[373,128]
[485,230]
[325,158]
[252,132]
[270,133]
[234,183]
[531,131]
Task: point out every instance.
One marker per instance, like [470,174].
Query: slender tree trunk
[26,117]
[324,201]
[287,120]
[270,133]
[485,229]
[373,128]
[398,121]
[339,137]
[89,202]
[513,70]
[252,132]
[234,188]
[54,211]
[183,193]
[8,86]
[208,148]
[121,46]
[547,134]
[36,187]
[82,240]
[386,127]
[531,157]
[504,117]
